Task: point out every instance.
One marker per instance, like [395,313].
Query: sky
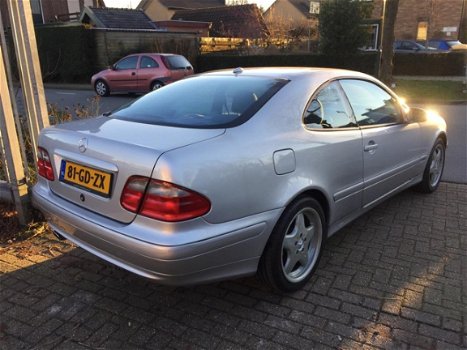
[134,3]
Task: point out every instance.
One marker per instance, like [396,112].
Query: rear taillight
[163,200]
[44,165]
[133,193]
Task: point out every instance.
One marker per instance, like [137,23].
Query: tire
[155,85]
[294,249]
[101,88]
[434,168]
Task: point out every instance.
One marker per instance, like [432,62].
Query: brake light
[44,165]
[163,200]
[133,193]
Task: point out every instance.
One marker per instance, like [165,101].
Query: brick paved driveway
[395,278]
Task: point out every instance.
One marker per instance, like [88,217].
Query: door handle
[371,146]
[133,73]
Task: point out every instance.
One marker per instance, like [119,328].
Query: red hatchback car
[141,73]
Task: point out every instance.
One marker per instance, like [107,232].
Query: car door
[391,146]
[124,75]
[148,70]
[336,153]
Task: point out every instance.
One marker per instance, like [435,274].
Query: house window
[373,33]
[422,30]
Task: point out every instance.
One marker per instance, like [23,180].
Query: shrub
[67,54]
[430,64]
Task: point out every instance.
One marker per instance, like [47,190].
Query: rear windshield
[203,102]
[176,62]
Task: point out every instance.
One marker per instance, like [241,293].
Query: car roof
[292,73]
[152,54]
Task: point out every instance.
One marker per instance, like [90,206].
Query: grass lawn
[430,90]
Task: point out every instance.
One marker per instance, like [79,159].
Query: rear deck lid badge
[83,145]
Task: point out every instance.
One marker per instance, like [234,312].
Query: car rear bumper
[234,253]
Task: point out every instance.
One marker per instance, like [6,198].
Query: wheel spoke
[289,243]
[303,258]
[300,224]
[291,262]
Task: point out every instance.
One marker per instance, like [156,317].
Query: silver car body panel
[250,173]
[119,147]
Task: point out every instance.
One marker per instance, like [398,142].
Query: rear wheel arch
[317,195]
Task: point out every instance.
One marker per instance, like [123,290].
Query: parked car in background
[141,73]
[411,46]
[447,45]
[228,173]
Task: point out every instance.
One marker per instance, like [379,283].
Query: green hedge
[364,62]
[430,64]
[67,54]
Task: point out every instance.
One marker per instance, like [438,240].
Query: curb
[65,86]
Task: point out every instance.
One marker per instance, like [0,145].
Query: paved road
[393,279]
[455,116]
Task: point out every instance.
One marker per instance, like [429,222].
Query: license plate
[90,179]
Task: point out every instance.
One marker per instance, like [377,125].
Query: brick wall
[439,14]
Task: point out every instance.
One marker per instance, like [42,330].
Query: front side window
[328,110]
[148,62]
[203,102]
[127,63]
[371,104]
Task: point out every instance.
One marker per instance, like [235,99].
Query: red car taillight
[44,165]
[162,200]
[133,193]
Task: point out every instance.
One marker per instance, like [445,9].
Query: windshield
[203,102]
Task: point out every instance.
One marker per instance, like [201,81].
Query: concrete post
[28,64]
[10,143]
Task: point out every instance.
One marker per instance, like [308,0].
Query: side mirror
[114,66]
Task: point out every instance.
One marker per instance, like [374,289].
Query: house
[239,21]
[416,19]
[47,11]
[430,19]
[116,18]
[163,10]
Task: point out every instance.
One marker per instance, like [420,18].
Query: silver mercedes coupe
[234,172]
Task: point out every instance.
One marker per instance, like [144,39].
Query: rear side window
[328,110]
[203,102]
[176,62]
[148,62]
[371,104]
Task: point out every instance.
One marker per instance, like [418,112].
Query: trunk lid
[93,158]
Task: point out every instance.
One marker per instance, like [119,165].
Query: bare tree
[387,53]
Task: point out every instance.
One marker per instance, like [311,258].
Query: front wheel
[295,246]
[101,88]
[434,168]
